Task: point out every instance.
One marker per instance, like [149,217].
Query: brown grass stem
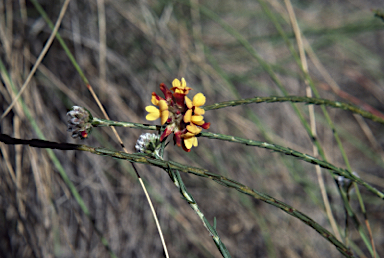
[39,59]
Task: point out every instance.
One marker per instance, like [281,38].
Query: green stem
[287,151]
[176,178]
[97,122]
[306,100]
[170,165]
[178,181]
[223,181]
[308,79]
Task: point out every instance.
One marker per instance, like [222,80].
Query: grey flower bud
[79,122]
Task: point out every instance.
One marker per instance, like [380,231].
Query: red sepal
[166,132]
[185,148]
[206,125]
[179,99]
[156,96]
[167,93]
[177,138]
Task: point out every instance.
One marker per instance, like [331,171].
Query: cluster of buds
[148,143]
[182,116]
[79,122]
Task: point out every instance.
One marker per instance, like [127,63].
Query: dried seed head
[79,122]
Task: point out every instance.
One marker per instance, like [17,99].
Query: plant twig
[274,147]
[144,159]
[298,99]
[178,181]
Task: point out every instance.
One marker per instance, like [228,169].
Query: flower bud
[148,143]
[79,122]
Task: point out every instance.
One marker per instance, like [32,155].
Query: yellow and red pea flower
[182,115]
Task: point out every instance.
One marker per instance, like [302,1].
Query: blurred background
[126,49]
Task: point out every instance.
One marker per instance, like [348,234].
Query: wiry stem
[176,178]
[226,182]
[142,158]
[170,165]
[287,151]
[313,101]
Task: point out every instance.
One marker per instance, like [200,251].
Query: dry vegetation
[126,49]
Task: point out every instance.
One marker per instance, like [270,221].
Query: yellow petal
[152,117]
[154,113]
[193,129]
[155,101]
[164,116]
[199,122]
[187,116]
[188,135]
[151,109]
[195,119]
[176,83]
[195,143]
[188,142]
[188,102]
[199,111]
[183,83]
[163,105]
[199,100]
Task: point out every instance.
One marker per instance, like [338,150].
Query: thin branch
[274,147]
[297,99]
[144,159]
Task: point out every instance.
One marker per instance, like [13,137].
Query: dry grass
[126,48]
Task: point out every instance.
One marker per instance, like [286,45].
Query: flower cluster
[79,122]
[183,116]
[148,143]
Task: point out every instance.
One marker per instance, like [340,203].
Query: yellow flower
[180,87]
[193,129]
[155,113]
[189,140]
[195,119]
[197,102]
[189,137]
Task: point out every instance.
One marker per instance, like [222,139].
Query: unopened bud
[79,122]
